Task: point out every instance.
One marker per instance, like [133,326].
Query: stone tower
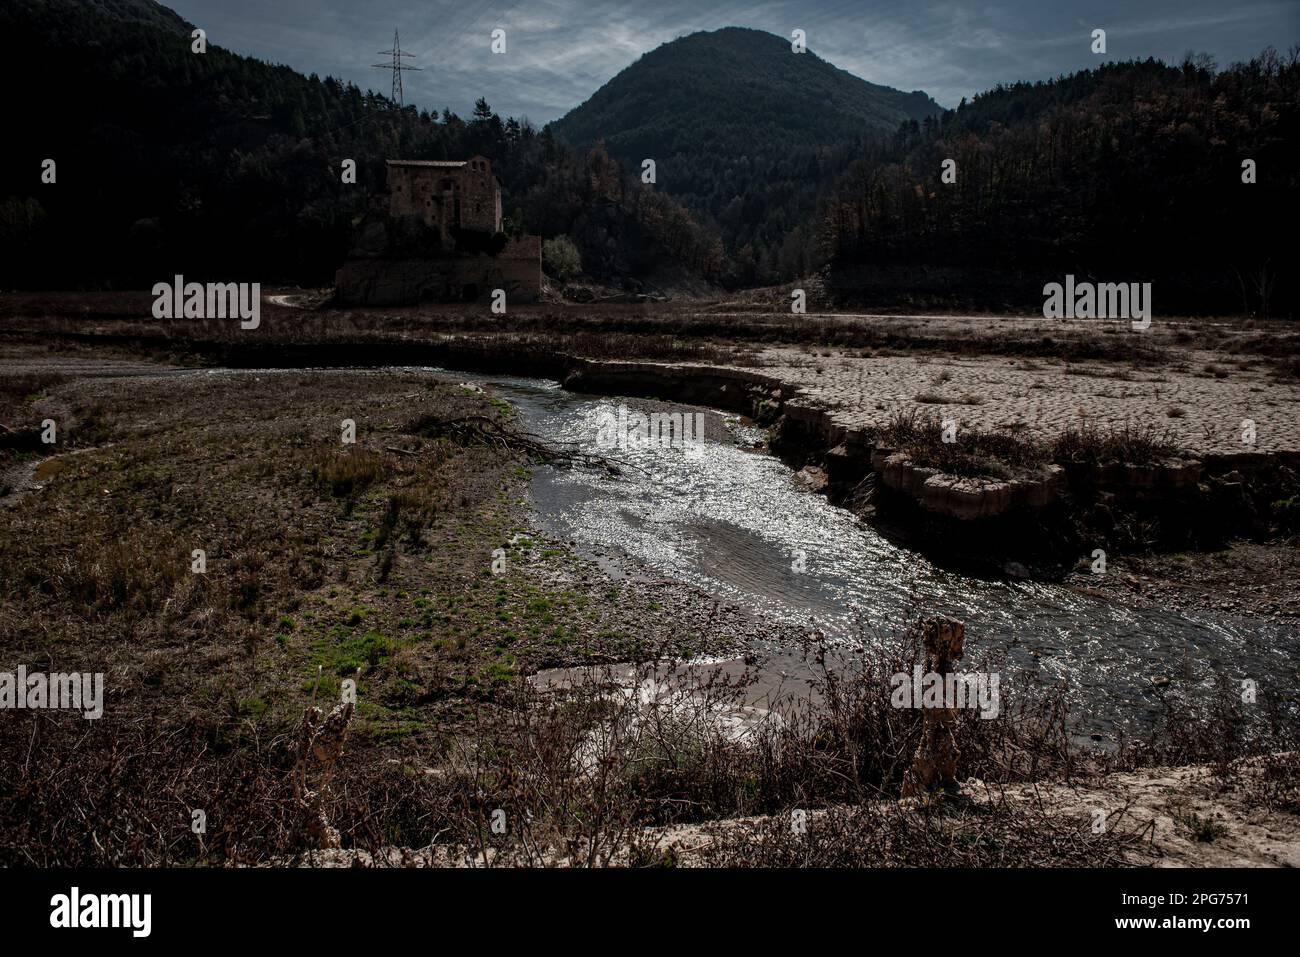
[446,194]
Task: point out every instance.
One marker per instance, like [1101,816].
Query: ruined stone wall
[480,202]
[390,264]
[464,196]
[405,282]
[411,192]
[520,264]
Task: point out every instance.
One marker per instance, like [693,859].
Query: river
[734,522]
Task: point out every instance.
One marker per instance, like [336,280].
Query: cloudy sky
[558,52]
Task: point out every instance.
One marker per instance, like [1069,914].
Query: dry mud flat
[1199,411]
[1172,817]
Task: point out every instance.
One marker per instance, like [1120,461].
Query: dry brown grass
[978,454]
[1128,444]
[584,775]
[324,562]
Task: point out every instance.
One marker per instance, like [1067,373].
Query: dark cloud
[560,51]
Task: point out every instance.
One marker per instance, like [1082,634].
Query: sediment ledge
[963,497]
[805,433]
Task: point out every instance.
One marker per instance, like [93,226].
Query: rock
[811,478]
[965,498]
[961,497]
[1147,481]
[1038,492]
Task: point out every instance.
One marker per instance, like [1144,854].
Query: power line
[397,66]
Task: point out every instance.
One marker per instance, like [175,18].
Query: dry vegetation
[1003,455]
[373,562]
[703,330]
[324,560]
[591,774]
[978,454]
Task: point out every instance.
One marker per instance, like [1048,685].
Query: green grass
[1203,829]
[367,651]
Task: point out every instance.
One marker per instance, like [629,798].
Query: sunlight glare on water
[733,521]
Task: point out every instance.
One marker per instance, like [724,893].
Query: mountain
[1132,171]
[743,130]
[224,167]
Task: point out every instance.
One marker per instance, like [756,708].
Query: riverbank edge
[1024,527]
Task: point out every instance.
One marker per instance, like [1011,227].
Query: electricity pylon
[397,66]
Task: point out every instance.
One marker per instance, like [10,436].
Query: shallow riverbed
[734,521]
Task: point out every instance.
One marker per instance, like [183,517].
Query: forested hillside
[1132,171]
[746,133]
[220,165]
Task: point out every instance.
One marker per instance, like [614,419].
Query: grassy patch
[1128,444]
[973,454]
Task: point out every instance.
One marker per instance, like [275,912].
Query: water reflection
[734,522]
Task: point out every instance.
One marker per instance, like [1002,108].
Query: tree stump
[934,766]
